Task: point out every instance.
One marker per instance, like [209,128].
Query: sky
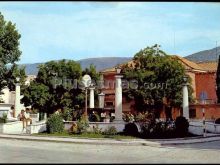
[79,30]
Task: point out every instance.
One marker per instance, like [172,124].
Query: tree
[54,87]
[159,76]
[218,81]
[9,48]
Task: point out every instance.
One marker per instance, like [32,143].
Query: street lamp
[86,80]
[185,78]
[17,79]
[118,69]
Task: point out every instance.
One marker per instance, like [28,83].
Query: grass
[86,135]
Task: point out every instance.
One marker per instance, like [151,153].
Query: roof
[189,64]
[209,65]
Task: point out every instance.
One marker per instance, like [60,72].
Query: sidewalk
[102,141]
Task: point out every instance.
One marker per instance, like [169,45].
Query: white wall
[36,127]
[119,126]
[12,127]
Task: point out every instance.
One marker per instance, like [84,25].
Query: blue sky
[78,30]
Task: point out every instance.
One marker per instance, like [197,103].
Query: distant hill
[205,55]
[100,63]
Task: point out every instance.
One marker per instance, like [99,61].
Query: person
[27,116]
[24,118]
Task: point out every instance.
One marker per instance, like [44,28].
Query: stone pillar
[101,98]
[91,98]
[185,102]
[118,99]
[17,100]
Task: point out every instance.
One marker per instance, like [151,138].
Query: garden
[141,125]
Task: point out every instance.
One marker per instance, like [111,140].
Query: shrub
[95,117]
[131,129]
[3,119]
[110,131]
[67,114]
[55,124]
[97,130]
[182,125]
[217,121]
[82,124]
[73,129]
[112,118]
[128,117]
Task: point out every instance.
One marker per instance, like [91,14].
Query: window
[192,113]
[109,103]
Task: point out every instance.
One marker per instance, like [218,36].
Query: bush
[128,117]
[95,117]
[55,124]
[97,130]
[82,124]
[110,131]
[67,114]
[217,121]
[131,129]
[3,119]
[182,126]
[73,129]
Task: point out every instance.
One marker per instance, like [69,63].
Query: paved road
[18,151]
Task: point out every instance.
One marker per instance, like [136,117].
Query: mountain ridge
[100,63]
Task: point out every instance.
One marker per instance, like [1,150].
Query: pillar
[91,98]
[118,99]
[101,98]
[185,102]
[17,99]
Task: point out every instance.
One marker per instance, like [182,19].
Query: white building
[8,97]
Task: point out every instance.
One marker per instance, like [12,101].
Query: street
[20,151]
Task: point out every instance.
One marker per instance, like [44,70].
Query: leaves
[9,52]
[158,76]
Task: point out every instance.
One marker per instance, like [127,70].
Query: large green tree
[54,87]
[9,53]
[159,76]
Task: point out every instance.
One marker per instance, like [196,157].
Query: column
[17,100]
[118,99]
[185,102]
[101,98]
[91,98]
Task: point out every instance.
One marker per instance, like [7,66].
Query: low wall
[102,125]
[36,127]
[12,127]
[196,127]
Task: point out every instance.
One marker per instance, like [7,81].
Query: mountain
[205,55]
[100,63]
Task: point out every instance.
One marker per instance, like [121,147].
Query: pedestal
[91,98]
[101,98]
[118,99]
[185,102]
[17,100]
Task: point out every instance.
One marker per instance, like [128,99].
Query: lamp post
[17,97]
[86,80]
[118,95]
[185,98]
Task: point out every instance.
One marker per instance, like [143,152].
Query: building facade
[203,77]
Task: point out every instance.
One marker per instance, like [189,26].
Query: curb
[133,142]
